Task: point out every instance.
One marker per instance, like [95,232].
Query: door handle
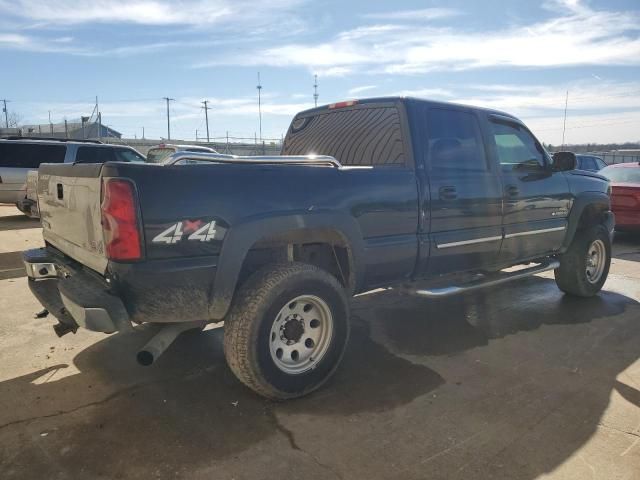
[448,193]
[512,190]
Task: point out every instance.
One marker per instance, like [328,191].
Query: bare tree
[14,119]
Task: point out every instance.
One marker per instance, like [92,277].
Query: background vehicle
[431,198]
[160,153]
[625,194]
[589,163]
[19,155]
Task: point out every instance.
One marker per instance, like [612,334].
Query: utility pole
[564,126]
[66,129]
[259,87]
[206,116]
[143,133]
[50,124]
[6,113]
[99,120]
[196,135]
[168,121]
[315,90]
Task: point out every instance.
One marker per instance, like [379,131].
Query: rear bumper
[627,219]
[12,193]
[28,207]
[76,298]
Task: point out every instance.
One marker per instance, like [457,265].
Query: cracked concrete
[515,382]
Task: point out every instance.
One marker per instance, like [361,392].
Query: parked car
[431,198]
[19,155]
[160,153]
[589,163]
[625,194]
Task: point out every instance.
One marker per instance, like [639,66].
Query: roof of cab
[399,99]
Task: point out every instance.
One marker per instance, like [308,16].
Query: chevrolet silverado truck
[433,199]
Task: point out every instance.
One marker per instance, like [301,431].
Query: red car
[625,194]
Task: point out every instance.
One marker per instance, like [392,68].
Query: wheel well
[325,248]
[593,214]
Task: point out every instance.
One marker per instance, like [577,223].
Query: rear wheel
[585,266]
[287,330]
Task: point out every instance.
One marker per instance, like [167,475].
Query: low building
[73,130]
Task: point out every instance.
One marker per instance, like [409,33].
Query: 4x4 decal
[195,230]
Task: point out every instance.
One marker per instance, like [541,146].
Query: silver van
[19,155]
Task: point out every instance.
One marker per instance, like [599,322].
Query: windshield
[622,174]
[157,155]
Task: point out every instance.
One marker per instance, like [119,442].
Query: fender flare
[241,237]
[582,201]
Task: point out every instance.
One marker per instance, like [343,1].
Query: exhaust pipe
[161,341]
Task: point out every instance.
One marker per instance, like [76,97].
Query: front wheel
[585,266]
[287,330]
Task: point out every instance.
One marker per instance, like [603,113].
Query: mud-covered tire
[572,277]
[248,328]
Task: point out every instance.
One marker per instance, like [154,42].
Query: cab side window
[126,155]
[455,142]
[94,155]
[588,163]
[516,147]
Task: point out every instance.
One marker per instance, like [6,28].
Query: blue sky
[518,56]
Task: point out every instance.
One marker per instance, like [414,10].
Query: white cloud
[581,129]
[13,40]
[533,99]
[362,89]
[415,15]
[144,12]
[576,35]
[424,93]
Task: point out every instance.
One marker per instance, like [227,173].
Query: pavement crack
[608,427]
[290,436]
[73,410]
[104,400]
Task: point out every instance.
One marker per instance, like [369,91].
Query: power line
[168,118]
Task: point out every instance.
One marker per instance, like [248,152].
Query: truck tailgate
[69,202]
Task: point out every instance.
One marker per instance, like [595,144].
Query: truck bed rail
[322,160]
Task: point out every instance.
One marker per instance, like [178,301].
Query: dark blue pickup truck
[431,198]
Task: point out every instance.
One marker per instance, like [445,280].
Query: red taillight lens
[349,103]
[120,220]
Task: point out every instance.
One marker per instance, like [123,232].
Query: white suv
[19,155]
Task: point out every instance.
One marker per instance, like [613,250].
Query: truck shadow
[116,419]
[11,265]
[17,222]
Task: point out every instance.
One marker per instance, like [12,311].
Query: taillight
[120,224]
[348,103]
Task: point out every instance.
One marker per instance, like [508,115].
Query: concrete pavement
[516,382]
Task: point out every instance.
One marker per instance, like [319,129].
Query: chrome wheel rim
[301,334]
[596,259]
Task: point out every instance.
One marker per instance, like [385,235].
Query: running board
[486,281]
